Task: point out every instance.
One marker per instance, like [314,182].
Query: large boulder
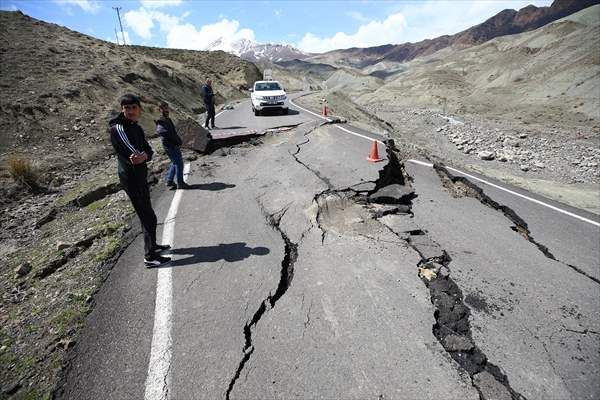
[194,135]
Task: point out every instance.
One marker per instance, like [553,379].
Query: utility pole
[119,16]
[117,36]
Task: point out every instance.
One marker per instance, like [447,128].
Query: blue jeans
[176,167]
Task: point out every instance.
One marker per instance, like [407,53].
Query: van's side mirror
[251,90]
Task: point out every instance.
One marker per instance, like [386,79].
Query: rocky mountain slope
[252,51]
[297,75]
[257,52]
[550,74]
[60,87]
[506,22]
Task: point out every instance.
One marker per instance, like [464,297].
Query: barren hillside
[550,75]
[60,87]
[506,22]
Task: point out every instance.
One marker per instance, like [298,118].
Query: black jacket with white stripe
[128,137]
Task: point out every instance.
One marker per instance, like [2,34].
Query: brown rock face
[506,22]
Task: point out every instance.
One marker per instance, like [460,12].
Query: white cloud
[357,16]
[91,6]
[218,36]
[160,3]
[5,7]
[142,22]
[371,34]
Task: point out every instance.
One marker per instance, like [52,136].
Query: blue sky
[312,26]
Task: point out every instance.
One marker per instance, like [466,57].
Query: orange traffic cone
[374,156]
[324,112]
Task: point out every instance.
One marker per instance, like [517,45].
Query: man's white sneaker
[156,261]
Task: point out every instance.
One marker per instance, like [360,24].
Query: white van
[268,95]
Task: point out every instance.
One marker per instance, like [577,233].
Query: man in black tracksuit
[209,102]
[133,151]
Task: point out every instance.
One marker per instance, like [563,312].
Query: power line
[119,16]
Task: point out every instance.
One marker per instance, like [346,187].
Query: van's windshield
[267,86]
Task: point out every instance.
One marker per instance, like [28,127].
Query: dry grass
[22,171]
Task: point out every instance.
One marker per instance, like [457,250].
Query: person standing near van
[209,103]
[133,153]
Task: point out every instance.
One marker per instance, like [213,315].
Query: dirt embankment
[59,241]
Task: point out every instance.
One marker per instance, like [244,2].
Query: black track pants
[137,189]
[210,115]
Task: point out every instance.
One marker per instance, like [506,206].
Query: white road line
[560,210]
[158,379]
[310,112]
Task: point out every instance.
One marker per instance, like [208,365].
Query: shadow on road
[229,252]
[277,113]
[219,128]
[213,186]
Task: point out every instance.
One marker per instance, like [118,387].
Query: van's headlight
[259,98]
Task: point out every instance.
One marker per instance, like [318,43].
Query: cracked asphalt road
[284,286]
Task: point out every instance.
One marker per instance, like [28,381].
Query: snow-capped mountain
[252,51]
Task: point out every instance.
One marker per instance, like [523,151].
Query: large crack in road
[460,187]
[299,148]
[286,276]
[452,328]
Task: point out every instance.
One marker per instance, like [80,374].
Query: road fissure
[299,148]
[462,187]
[452,328]
[285,280]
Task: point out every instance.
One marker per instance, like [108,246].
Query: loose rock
[486,155]
[458,343]
[23,269]
[490,388]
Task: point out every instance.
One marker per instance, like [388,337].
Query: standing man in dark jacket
[209,103]
[133,151]
[172,143]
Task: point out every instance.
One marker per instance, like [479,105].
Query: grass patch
[31,329]
[111,247]
[98,205]
[67,320]
[22,171]
[84,187]
[24,364]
